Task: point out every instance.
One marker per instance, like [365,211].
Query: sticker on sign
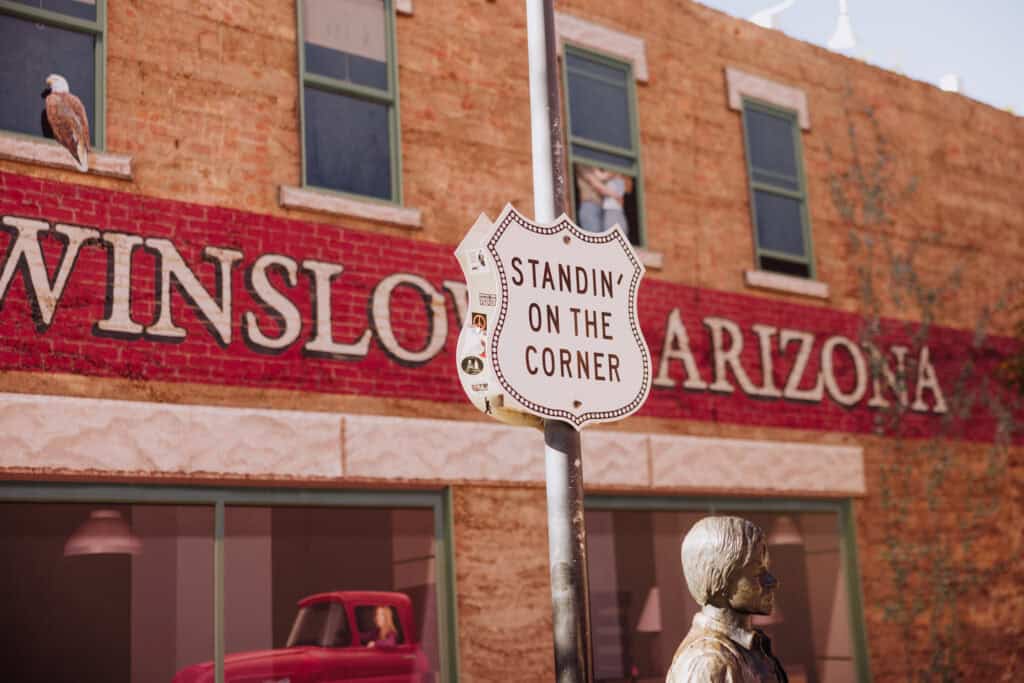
[563,336]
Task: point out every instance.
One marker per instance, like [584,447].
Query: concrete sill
[787,284]
[48,153]
[403,7]
[327,202]
[651,259]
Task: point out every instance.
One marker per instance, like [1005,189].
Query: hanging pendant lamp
[104,533]
[843,38]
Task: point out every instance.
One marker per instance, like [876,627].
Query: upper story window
[43,37]
[604,150]
[778,190]
[350,97]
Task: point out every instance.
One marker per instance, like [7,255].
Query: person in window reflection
[601,194]
[386,634]
[589,211]
[725,561]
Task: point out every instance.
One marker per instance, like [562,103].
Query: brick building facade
[198,326]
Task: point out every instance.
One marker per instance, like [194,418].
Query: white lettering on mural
[792,389]
[322,344]
[677,347]
[26,254]
[436,317]
[279,306]
[118,321]
[862,368]
[216,315]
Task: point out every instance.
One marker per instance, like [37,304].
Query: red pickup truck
[333,639]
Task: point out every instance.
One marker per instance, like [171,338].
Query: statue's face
[753,587]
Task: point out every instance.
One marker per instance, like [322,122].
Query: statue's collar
[728,622]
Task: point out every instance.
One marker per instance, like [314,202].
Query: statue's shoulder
[706,657]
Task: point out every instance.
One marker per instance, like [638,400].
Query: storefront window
[347,586]
[105,592]
[332,589]
[641,608]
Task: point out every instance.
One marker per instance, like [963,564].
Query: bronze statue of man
[725,561]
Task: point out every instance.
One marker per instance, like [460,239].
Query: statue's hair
[713,550]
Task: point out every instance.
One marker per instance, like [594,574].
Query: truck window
[370,630]
[321,624]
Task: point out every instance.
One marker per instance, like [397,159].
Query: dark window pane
[779,225]
[578,63]
[602,158]
[777,265]
[101,613]
[770,138]
[29,52]
[82,9]
[347,144]
[599,111]
[347,40]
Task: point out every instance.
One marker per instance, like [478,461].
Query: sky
[979,40]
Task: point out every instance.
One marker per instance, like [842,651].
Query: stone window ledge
[403,7]
[338,205]
[654,260]
[787,284]
[601,38]
[48,153]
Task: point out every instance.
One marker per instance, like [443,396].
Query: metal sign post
[563,461]
[552,339]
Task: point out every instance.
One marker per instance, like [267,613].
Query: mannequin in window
[589,210]
[386,634]
[601,193]
[725,561]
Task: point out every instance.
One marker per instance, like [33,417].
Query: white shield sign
[565,341]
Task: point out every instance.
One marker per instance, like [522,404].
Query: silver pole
[563,462]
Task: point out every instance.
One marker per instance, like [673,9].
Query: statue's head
[725,561]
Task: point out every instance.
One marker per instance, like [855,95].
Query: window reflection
[604,199]
[103,615]
[317,593]
[641,608]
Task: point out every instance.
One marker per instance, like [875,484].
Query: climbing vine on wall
[946,528]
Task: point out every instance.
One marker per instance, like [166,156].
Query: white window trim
[49,153]
[741,84]
[599,38]
[328,202]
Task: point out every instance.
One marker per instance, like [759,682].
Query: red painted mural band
[110,284]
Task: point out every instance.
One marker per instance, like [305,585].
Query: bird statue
[66,120]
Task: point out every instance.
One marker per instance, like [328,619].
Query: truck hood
[257,666]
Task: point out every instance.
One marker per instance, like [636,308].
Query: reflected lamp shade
[784,531]
[104,533]
[843,38]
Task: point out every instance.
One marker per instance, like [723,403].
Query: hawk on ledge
[67,120]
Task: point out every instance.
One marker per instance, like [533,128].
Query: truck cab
[333,639]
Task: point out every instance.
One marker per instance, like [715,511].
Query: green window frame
[775,184]
[580,146]
[384,96]
[440,503]
[843,508]
[97,29]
